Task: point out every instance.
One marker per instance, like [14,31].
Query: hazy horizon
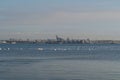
[77,19]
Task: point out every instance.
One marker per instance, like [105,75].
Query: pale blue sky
[35,19]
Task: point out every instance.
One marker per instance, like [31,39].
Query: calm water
[59,62]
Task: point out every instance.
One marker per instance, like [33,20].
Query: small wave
[40,49]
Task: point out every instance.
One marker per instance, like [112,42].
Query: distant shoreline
[60,40]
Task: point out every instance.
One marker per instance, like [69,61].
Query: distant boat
[4,42]
[13,42]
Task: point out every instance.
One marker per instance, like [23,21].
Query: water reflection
[60,69]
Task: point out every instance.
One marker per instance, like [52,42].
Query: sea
[59,61]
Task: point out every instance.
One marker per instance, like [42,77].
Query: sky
[42,19]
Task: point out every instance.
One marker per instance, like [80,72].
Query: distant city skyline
[78,19]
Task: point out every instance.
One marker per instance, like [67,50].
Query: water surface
[59,62]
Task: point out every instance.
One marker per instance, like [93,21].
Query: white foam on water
[55,49]
[89,49]
[64,49]
[21,48]
[8,48]
[40,49]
